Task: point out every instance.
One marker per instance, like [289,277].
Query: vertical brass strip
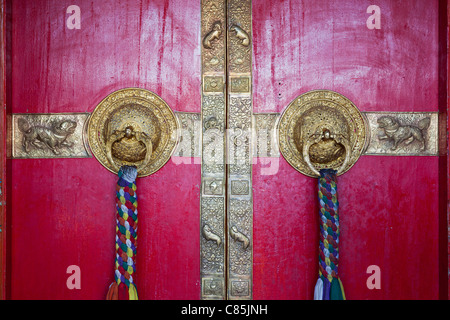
[239,151]
[213,118]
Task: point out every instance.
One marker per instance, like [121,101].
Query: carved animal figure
[237,139]
[209,235]
[241,35]
[398,133]
[212,123]
[214,34]
[54,136]
[238,236]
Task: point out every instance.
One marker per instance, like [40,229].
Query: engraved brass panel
[213,130]
[239,150]
[60,135]
[226,199]
[189,135]
[240,84]
[213,84]
[403,133]
[266,144]
[133,127]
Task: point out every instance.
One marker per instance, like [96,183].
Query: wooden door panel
[309,45]
[62,210]
[389,205]
[391,220]
[285,238]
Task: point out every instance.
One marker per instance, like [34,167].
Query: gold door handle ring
[130,146]
[326,135]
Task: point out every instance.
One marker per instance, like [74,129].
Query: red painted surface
[443,158]
[62,211]
[3,188]
[388,205]
[284,239]
[445,176]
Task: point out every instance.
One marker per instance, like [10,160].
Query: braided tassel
[328,286]
[124,287]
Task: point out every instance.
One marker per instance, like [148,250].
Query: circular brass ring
[322,129]
[306,157]
[133,127]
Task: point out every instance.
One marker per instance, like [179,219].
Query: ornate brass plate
[58,135]
[189,140]
[322,129]
[226,198]
[133,127]
[213,240]
[239,151]
[403,133]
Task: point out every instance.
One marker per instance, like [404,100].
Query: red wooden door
[389,205]
[62,211]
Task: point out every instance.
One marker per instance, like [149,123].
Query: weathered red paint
[443,154]
[3,189]
[389,205]
[62,211]
[444,183]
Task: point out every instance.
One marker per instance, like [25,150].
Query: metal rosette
[148,115]
[322,129]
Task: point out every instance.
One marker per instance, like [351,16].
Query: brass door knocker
[322,130]
[328,143]
[322,134]
[129,145]
[133,127]
[132,133]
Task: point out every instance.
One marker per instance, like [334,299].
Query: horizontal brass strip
[52,135]
[264,133]
[381,140]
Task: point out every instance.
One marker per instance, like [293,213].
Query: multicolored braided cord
[124,288]
[328,286]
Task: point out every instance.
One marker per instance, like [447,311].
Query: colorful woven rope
[124,288]
[328,286]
